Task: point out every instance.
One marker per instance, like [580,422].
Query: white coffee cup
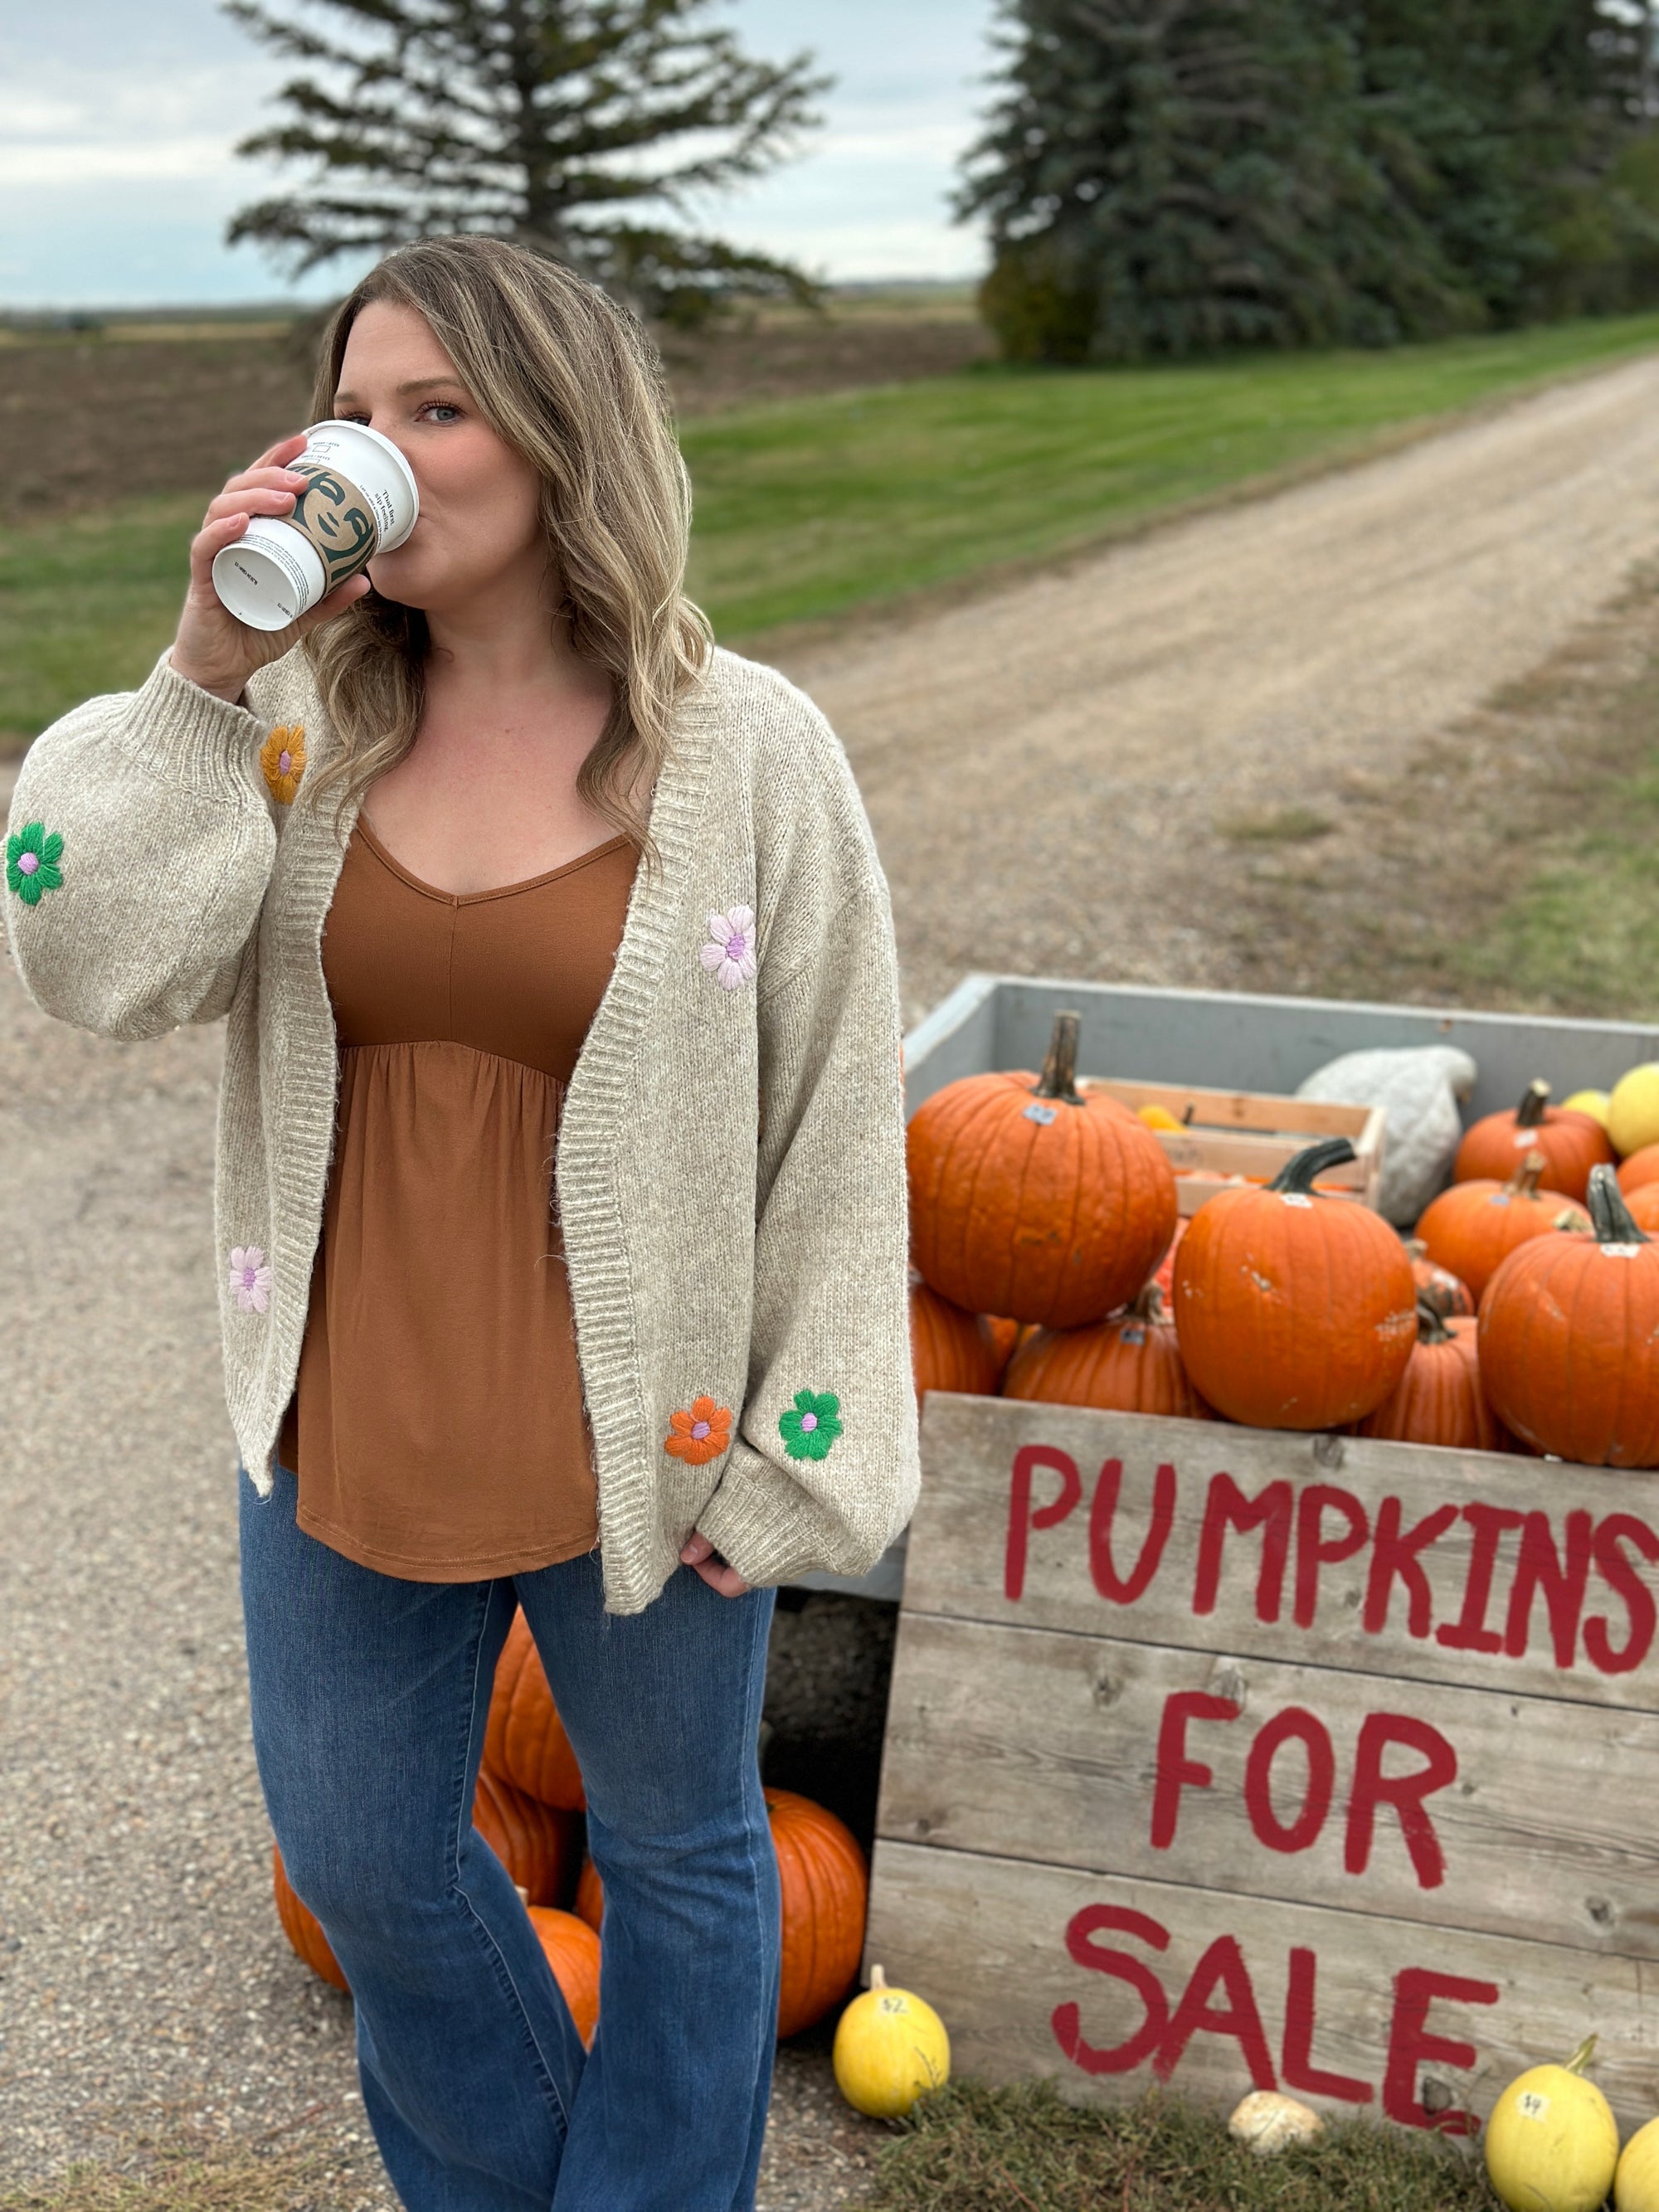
[361,501]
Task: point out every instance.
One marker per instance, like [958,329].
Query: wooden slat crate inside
[1234,1759]
[1226,1134]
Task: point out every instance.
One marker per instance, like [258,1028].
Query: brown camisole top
[437,1426]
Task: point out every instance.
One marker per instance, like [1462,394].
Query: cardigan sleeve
[823,1470]
[152,842]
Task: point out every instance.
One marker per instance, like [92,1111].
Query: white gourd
[1418,1087]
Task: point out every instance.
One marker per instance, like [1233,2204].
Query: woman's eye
[442,410]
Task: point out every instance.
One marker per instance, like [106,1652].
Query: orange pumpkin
[1472,1228]
[950,1349]
[1031,1198]
[1567,1330]
[525,1740]
[1569,1143]
[302,1928]
[1129,1364]
[1446,1292]
[572,1952]
[538,1843]
[1438,1400]
[1294,1310]
[1640,1169]
[1642,1204]
[826,1893]
[1004,1332]
[590,1896]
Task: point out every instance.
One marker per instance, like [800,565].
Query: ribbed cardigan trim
[597,1104]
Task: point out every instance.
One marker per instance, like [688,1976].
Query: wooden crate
[1233,1758]
[1251,1134]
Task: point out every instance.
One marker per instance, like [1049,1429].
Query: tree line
[1165,177]
[1158,178]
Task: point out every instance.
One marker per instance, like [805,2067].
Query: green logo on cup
[336,516]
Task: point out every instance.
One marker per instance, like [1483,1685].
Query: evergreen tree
[1165,175]
[573,126]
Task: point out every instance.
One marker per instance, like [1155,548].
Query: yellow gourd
[1552,2142]
[1159,1117]
[1636,2184]
[1633,1109]
[1593,1102]
[890,2048]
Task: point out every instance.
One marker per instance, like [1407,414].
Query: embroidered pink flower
[250,1278]
[730,952]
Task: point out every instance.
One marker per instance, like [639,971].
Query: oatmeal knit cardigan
[730,1173]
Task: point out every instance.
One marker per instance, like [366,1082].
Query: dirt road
[1053,774]
[1053,771]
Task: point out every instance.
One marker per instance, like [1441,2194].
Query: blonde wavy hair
[570,380]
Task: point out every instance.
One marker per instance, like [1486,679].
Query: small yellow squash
[1633,1109]
[1636,2184]
[1552,2142]
[890,2048]
[1596,1104]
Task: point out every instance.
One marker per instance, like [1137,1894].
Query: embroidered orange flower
[699,1432]
[283,758]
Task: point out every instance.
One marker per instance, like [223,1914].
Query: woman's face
[480,521]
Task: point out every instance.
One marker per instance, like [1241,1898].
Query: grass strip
[192,2175]
[809,510]
[979,2149]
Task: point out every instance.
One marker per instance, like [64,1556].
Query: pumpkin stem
[1058,1076]
[1149,1306]
[1525,1179]
[1529,1114]
[1296,1176]
[1431,1321]
[1581,2058]
[878,1981]
[1611,1218]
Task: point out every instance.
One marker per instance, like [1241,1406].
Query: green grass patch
[975,2149]
[85,604]
[808,509]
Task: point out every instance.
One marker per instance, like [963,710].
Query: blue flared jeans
[369,1699]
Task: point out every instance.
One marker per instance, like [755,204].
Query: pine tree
[1161,176]
[583,128]
[1164,176]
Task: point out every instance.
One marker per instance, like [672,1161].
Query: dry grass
[177,2167]
[974,2149]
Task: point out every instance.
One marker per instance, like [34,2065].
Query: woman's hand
[697,1551]
[212,648]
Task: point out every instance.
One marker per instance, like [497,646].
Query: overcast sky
[116,119]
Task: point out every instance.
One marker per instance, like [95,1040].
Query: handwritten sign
[1233,1760]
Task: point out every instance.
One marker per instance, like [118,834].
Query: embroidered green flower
[32,859]
[812,1425]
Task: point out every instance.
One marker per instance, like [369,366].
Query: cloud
[118,126]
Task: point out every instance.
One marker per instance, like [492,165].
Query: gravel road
[1051,772]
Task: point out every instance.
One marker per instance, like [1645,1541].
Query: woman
[492,850]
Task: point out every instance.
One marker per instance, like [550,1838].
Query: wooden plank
[986,1939]
[1459,1609]
[1066,1748]
[1268,1111]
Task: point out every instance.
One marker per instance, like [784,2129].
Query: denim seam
[504,1972]
[753,1705]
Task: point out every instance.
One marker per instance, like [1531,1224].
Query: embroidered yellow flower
[283,758]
